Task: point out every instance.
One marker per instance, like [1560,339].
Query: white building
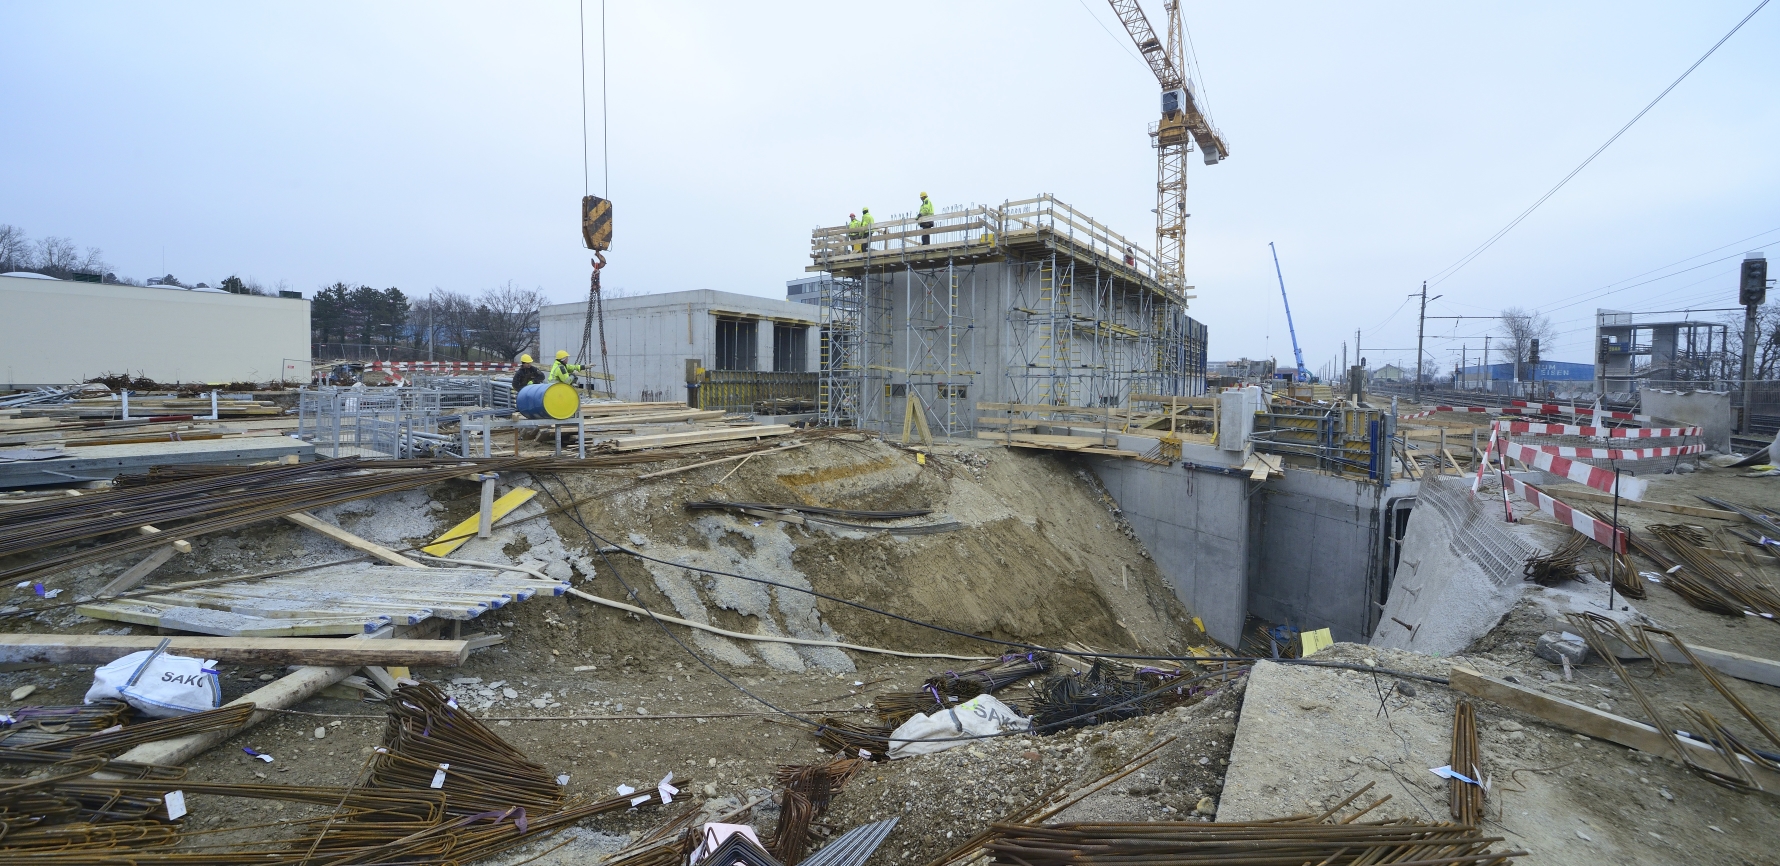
[807,290]
[752,348]
[57,332]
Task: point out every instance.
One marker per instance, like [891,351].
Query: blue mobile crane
[1303,374]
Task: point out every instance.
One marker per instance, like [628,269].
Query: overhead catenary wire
[1446,273]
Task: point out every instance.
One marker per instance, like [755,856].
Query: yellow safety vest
[564,372]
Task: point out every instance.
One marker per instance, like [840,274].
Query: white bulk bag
[168,686]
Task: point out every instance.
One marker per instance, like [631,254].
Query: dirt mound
[1041,556]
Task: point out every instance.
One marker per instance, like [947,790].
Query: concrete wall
[1312,551]
[650,337]
[1709,410]
[54,332]
[1196,527]
[1300,549]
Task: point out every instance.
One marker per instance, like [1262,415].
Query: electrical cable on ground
[1454,268]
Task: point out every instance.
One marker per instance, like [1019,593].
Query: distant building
[1390,373]
[59,332]
[1548,371]
[807,290]
[752,349]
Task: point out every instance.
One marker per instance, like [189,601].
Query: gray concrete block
[1555,647]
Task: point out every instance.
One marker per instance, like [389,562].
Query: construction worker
[527,374]
[926,215]
[853,232]
[563,371]
[865,222]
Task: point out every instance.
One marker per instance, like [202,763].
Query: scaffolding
[1050,305]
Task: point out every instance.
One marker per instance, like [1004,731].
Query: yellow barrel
[554,400]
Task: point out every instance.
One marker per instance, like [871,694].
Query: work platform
[1030,302]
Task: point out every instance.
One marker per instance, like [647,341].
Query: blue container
[548,401]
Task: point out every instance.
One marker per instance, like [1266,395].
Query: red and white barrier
[1602,532]
[1598,432]
[1522,407]
[442,366]
[1630,486]
[1559,409]
[1576,453]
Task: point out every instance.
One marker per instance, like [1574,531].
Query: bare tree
[58,257]
[508,320]
[1520,328]
[15,249]
[1767,342]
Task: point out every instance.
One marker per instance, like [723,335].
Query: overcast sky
[440,145]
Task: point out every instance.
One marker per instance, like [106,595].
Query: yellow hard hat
[561,354]
[525,359]
[923,195]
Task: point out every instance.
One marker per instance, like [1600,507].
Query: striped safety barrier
[1629,486]
[441,366]
[1602,532]
[1539,429]
[1560,409]
[1578,453]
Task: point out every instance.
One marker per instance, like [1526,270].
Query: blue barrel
[552,400]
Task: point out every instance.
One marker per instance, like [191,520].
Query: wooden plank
[219,622]
[669,440]
[1597,723]
[1050,409]
[141,570]
[1577,491]
[1063,442]
[456,536]
[311,522]
[88,649]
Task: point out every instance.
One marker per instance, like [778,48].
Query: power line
[1453,268]
[1123,43]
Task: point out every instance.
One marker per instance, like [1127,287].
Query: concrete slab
[104,462]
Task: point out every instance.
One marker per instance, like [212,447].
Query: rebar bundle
[489,799]
[1558,566]
[1278,843]
[427,735]
[1733,584]
[1100,695]
[1693,590]
[853,739]
[1467,798]
[806,792]
[990,678]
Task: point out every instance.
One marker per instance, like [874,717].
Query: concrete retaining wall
[1298,549]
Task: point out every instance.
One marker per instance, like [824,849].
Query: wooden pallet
[340,602]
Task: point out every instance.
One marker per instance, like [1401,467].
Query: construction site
[963,554]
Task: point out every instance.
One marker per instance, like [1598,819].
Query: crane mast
[1182,123]
[1303,374]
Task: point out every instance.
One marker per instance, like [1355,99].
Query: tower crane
[1183,122]
[1303,374]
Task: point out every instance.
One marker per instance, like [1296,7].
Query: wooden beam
[141,570]
[1577,491]
[311,522]
[1597,723]
[89,649]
